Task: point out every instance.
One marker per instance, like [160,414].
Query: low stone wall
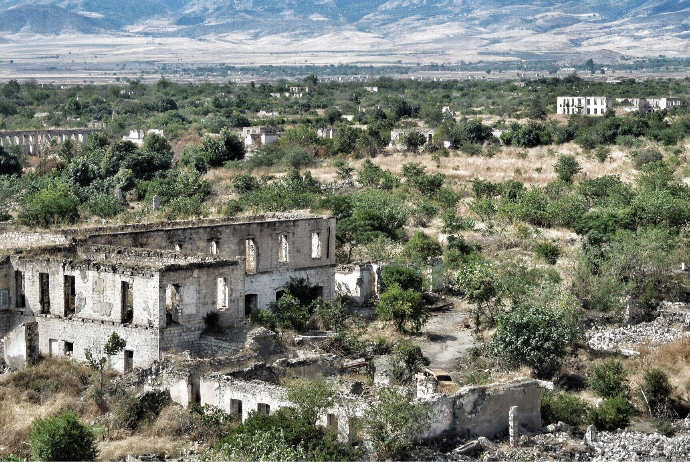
[18,239]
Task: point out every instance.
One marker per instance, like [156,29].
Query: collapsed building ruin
[153,284]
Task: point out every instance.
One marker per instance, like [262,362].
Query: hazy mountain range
[492,26]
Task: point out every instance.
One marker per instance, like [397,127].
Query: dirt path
[446,338]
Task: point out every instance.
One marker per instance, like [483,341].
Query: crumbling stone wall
[358,282]
[70,337]
[224,392]
[18,240]
[483,411]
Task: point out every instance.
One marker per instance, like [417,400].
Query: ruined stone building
[152,284]
[584,105]
[649,104]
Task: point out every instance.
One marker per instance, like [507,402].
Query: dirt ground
[447,336]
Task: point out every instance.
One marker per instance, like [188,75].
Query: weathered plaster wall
[357,282]
[266,285]
[217,390]
[20,346]
[17,240]
[483,411]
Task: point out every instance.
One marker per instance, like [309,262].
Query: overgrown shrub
[566,168]
[548,251]
[611,414]
[403,307]
[403,275]
[609,379]
[62,437]
[656,390]
[646,156]
[407,361]
[562,407]
[54,205]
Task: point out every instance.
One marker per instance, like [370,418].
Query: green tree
[413,140]
[656,390]
[54,205]
[300,134]
[393,423]
[9,163]
[403,275]
[421,248]
[403,307]
[609,379]
[566,167]
[62,437]
[98,362]
[311,398]
[538,332]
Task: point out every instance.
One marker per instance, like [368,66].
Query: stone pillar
[156,202]
[590,435]
[514,426]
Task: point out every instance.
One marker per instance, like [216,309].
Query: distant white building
[649,104]
[255,137]
[398,134]
[327,133]
[138,136]
[585,105]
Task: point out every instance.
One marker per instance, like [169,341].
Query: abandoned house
[397,136]
[153,284]
[645,105]
[585,105]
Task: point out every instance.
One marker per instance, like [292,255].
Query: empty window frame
[332,422]
[70,295]
[52,347]
[283,248]
[315,245]
[251,303]
[279,294]
[328,243]
[263,408]
[172,303]
[222,297]
[127,302]
[44,292]
[250,255]
[129,360]
[19,289]
[69,349]
[236,407]
[4,299]
[214,247]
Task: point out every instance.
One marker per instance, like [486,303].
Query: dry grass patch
[140,444]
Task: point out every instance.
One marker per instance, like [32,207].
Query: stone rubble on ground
[673,323]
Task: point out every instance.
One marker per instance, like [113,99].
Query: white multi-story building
[585,105]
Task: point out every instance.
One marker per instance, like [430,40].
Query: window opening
[283,248]
[263,408]
[250,254]
[19,289]
[236,407]
[44,292]
[52,347]
[251,303]
[279,294]
[129,360]
[70,295]
[328,243]
[214,247]
[222,297]
[69,348]
[315,245]
[127,302]
[172,303]
[332,422]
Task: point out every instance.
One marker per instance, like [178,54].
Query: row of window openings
[283,250]
[265,409]
[589,101]
[70,295]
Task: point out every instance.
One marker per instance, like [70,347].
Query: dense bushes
[562,407]
[62,438]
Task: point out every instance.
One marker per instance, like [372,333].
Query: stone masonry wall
[53,333]
[217,390]
[18,240]
[228,238]
[483,411]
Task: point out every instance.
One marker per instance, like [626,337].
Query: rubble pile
[670,325]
